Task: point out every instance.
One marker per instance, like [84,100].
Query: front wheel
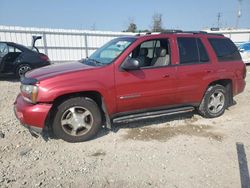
[214,102]
[77,119]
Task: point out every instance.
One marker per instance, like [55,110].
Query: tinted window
[202,51]
[188,51]
[225,49]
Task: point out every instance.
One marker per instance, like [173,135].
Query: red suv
[132,78]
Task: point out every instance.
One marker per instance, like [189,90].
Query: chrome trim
[130,96]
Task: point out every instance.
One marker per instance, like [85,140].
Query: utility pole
[218,19]
[238,14]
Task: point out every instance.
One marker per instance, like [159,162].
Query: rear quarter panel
[230,70]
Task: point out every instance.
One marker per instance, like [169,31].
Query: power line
[218,19]
[238,14]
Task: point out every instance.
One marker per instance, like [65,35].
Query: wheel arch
[228,84]
[94,95]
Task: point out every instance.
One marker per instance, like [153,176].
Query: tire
[214,102]
[22,69]
[77,120]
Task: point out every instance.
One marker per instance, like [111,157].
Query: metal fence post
[86,44]
[45,43]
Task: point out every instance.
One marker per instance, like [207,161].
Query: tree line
[156,25]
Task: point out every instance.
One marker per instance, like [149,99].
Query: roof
[177,32]
[21,47]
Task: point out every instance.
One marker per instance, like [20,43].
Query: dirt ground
[175,151]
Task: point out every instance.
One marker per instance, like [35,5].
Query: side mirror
[131,64]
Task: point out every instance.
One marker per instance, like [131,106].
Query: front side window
[225,49]
[109,52]
[3,49]
[152,53]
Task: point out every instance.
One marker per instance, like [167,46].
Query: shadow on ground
[140,130]
[144,131]
[9,78]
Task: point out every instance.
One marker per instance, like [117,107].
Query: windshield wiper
[97,63]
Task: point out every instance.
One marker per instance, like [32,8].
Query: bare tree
[132,27]
[157,23]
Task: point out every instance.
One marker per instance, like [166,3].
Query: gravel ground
[175,151]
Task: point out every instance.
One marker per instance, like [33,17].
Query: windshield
[110,51]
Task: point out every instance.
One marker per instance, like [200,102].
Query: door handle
[166,76]
[209,71]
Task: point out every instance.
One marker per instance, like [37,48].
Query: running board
[153,114]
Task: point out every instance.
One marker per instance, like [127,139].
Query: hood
[56,69]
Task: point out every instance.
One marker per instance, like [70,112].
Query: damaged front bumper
[31,116]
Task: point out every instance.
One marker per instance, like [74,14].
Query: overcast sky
[114,15]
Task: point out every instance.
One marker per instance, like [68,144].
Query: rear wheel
[22,69]
[214,102]
[77,119]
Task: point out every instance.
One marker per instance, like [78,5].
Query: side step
[153,114]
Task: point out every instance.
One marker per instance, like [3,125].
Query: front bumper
[32,116]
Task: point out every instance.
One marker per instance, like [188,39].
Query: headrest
[143,52]
[161,52]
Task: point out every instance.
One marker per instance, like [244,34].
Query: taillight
[44,58]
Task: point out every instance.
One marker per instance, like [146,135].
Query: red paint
[33,115]
[131,90]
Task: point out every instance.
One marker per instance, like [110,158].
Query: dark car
[18,59]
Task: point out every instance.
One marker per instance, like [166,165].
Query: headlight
[29,93]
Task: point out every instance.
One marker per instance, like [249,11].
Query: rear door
[150,86]
[10,58]
[193,71]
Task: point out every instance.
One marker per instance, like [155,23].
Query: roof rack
[168,31]
[191,32]
[173,31]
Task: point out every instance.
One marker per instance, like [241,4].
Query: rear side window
[225,49]
[202,51]
[191,50]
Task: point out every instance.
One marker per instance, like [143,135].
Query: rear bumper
[32,116]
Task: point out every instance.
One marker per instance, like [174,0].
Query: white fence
[59,44]
[67,45]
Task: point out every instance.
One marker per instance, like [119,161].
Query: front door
[153,85]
